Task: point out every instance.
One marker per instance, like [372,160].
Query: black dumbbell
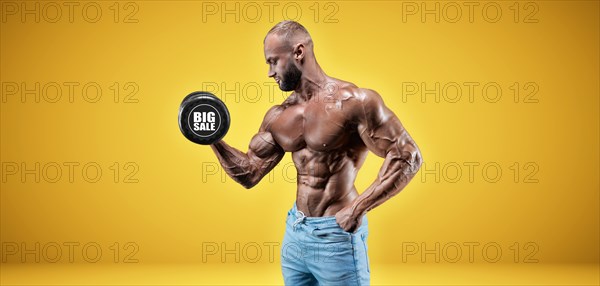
[203,118]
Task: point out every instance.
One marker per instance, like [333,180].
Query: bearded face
[290,78]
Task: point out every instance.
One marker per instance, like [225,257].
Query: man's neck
[311,83]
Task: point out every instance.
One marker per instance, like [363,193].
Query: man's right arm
[262,156]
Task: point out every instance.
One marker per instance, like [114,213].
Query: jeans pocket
[332,234]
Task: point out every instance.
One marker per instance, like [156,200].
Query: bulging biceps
[263,145]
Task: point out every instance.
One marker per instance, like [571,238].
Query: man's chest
[319,126]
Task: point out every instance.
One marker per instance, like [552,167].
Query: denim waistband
[300,217]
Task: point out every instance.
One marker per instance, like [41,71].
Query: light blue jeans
[317,251]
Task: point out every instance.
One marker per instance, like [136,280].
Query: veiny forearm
[399,167]
[236,163]
[249,168]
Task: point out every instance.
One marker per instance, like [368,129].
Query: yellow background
[174,209]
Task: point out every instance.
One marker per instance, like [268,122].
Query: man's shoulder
[342,87]
[348,90]
[270,116]
[274,111]
[359,98]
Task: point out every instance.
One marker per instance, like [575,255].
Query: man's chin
[283,88]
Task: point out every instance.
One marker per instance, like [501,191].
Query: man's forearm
[235,163]
[398,169]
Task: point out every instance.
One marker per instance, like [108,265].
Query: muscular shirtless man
[329,125]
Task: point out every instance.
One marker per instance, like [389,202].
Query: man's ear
[299,52]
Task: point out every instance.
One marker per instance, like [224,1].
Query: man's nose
[271,73]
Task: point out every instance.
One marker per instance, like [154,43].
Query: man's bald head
[291,33]
[289,54]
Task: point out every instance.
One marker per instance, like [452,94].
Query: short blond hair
[291,31]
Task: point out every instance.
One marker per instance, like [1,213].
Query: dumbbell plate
[203,118]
